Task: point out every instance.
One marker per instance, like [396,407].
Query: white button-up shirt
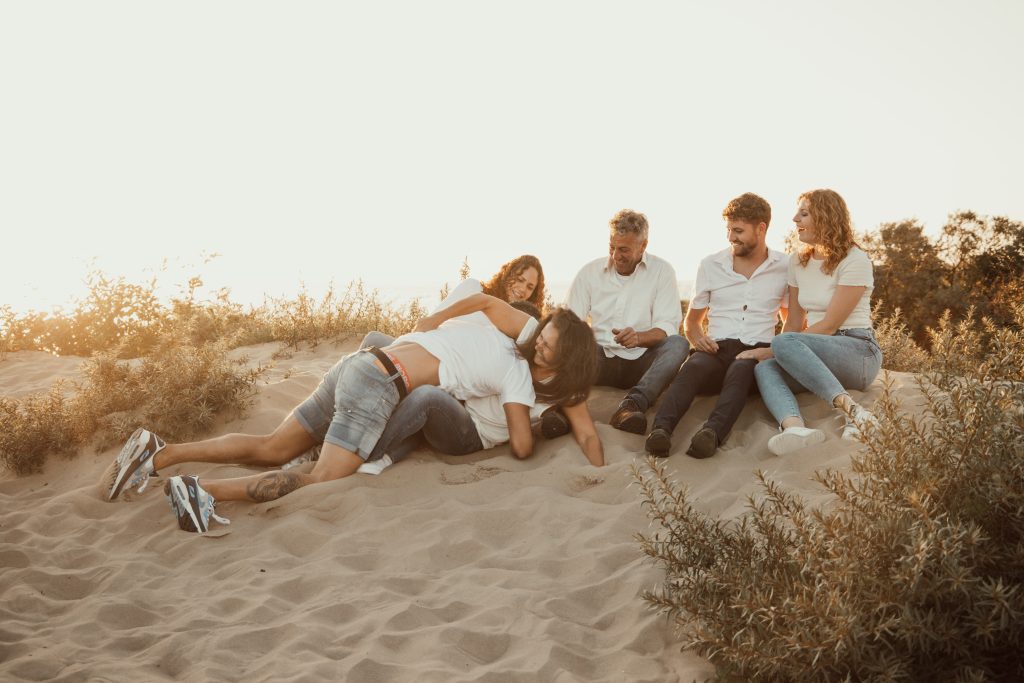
[644,300]
[741,308]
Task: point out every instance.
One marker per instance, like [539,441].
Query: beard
[742,250]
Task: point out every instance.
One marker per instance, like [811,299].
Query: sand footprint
[468,475]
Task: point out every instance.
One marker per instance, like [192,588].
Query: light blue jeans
[827,365]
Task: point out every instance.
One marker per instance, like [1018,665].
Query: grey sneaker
[135,462]
[191,504]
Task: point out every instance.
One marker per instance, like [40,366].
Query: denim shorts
[351,406]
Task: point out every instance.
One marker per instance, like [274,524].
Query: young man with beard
[744,288]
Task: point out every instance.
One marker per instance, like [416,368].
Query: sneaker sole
[134,454]
[185,508]
[780,444]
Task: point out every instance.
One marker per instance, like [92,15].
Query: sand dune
[481,568]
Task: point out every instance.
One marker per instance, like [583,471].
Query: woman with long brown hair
[830,282]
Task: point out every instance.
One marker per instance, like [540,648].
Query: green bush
[914,571]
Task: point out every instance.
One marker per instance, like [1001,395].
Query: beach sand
[476,568]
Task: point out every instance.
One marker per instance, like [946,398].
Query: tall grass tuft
[914,571]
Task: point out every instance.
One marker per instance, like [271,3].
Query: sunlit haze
[387,141]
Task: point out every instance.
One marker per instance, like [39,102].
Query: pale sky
[311,141]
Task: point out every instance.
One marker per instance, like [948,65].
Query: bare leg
[289,440]
[334,463]
[792,422]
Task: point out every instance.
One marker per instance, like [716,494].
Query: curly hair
[833,227]
[627,222]
[576,366]
[750,208]
[498,285]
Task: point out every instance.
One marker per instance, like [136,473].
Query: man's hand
[627,337]
[755,354]
[704,343]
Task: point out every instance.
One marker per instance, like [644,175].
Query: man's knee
[674,344]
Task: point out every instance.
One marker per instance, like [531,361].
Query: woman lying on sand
[348,412]
[830,285]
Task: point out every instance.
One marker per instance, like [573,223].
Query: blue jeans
[827,365]
[428,414]
[647,376]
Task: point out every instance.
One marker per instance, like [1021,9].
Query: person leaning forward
[632,298]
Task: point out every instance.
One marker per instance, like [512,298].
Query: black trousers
[711,373]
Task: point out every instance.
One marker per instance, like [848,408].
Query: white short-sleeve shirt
[644,300]
[816,288]
[741,308]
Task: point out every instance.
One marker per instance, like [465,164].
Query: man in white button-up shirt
[744,287]
[632,298]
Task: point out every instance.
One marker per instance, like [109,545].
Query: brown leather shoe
[659,443]
[629,417]
[704,443]
[554,423]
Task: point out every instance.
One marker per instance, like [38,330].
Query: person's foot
[191,504]
[793,439]
[659,442]
[629,417]
[703,444]
[859,420]
[554,423]
[134,464]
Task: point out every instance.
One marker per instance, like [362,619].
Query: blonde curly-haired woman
[830,282]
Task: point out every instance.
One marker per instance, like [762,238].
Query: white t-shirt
[488,415]
[646,299]
[741,308]
[817,289]
[476,359]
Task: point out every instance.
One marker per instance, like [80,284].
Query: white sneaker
[793,439]
[855,424]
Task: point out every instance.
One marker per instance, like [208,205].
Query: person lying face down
[350,409]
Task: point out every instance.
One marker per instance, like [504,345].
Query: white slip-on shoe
[793,439]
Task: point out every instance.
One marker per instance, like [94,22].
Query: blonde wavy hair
[833,227]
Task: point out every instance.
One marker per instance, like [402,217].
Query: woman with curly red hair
[830,282]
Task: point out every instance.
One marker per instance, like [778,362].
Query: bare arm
[584,432]
[795,319]
[693,328]
[520,434]
[507,319]
[840,306]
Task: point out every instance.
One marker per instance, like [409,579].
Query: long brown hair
[833,228]
[497,286]
[576,365]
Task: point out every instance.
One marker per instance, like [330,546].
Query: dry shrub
[899,350]
[913,572]
[177,389]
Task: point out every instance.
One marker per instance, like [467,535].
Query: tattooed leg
[334,463]
[273,485]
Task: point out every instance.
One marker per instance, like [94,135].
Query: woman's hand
[431,322]
[755,354]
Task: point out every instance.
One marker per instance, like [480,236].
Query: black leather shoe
[659,443]
[629,417]
[554,423]
[703,444]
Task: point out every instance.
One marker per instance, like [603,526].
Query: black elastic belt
[392,370]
